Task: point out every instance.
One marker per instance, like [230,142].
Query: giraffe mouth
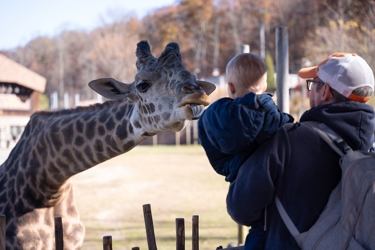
[197,110]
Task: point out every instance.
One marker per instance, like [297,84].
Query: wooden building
[20,88]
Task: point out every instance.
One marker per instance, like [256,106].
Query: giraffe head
[165,94]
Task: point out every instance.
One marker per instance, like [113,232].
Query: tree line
[209,33]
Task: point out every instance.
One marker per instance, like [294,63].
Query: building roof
[13,72]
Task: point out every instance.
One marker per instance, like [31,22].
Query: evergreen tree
[271,81]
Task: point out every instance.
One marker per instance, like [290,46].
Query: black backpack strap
[330,137]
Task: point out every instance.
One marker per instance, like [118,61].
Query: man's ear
[326,95]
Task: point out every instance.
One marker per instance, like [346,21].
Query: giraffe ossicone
[35,182]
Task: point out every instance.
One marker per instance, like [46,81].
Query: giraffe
[55,145]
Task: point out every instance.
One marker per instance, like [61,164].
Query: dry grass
[178,182]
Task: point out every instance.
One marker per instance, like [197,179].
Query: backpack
[348,220]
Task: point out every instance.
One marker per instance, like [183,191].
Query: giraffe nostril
[188,88]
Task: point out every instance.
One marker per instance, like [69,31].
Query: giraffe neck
[62,144]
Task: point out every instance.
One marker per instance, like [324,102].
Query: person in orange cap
[345,73]
[296,164]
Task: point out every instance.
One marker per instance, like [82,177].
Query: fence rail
[150,233]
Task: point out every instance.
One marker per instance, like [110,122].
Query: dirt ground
[178,182]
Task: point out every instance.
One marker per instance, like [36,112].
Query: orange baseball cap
[344,72]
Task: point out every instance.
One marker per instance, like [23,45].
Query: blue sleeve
[216,158]
[274,119]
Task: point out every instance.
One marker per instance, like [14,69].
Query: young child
[232,128]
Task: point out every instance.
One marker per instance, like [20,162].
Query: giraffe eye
[143,86]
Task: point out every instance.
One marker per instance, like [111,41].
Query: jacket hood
[353,121]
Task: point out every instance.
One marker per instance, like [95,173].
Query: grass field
[178,182]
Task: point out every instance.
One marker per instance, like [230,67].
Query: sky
[23,20]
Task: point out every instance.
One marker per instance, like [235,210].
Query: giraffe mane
[93,107]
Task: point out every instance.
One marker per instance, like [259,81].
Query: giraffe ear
[111,88]
[207,86]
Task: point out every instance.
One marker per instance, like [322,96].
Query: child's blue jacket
[230,130]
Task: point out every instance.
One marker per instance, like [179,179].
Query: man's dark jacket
[298,166]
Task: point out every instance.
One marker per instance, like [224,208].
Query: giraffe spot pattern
[74,230]
[10,191]
[151,107]
[120,114]
[3,195]
[129,145]
[61,164]
[55,172]
[98,146]
[109,140]
[137,124]
[144,109]
[44,176]
[43,152]
[30,236]
[68,134]
[166,116]
[110,152]
[20,181]
[90,130]
[172,82]
[71,211]
[43,234]
[35,165]
[80,156]
[101,130]
[79,141]
[170,105]
[130,128]
[48,221]
[63,169]
[88,152]
[101,157]
[129,110]
[110,125]
[51,151]
[12,171]
[121,131]
[28,198]
[86,116]
[47,185]
[68,157]
[55,136]
[114,109]
[79,126]
[104,116]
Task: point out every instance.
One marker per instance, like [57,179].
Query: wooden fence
[150,234]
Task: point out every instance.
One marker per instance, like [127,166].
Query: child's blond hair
[245,70]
